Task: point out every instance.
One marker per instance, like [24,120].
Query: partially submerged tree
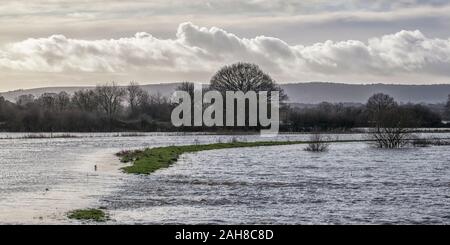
[317,143]
[390,124]
[392,131]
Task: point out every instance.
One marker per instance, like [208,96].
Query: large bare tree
[380,103]
[244,77]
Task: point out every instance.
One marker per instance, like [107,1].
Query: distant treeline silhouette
[110,107]
[327,116]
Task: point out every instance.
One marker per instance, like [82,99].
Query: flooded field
[43,178]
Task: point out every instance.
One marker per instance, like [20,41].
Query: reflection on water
[42,179]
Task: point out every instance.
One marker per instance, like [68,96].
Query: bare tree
[48,101]
[85,100]
[390,124]
[2,110]
[109,97]
[158,99]
[244,77]
[317,143]
[143,100]
[135,97]
[25,99]
[378,104]
[447,108]
[390,137]
[62,101]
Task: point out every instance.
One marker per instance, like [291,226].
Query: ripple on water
[351,184]
[268,185]
[43,178]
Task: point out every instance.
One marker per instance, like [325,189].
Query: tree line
[377,111]
[110,107]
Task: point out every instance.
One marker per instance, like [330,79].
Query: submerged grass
[150,160]
[88,215]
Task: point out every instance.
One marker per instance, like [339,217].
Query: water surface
[42,179]
[350,184]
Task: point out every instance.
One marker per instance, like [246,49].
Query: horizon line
[178,82]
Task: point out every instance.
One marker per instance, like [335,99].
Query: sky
[86,42]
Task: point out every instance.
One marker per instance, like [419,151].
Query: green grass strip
[88,215]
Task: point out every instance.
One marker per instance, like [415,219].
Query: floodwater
[42,179]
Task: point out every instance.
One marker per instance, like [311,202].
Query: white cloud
[405,51]
[292,20]
[200,50]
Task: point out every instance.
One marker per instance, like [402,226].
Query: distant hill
[307,93]
[163,89]
[316,92]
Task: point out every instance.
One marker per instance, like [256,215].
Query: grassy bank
[149,160]
[96,215]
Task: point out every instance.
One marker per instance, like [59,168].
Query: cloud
[201,50]
[214,7]
[405,51]
[287,19]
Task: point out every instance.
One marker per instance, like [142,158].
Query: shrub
[317,143]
